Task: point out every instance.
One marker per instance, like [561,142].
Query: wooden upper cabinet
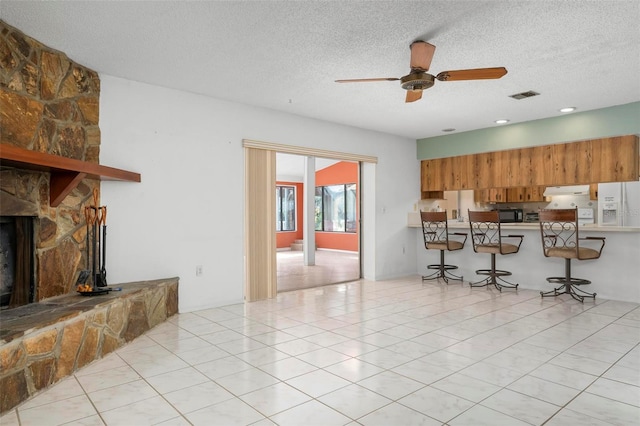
[564,163]
[515,175]
[447,173]
[541,165]
[463,172]
[572,163]
[615,159]
[430,175]
[484,170]
[584,154]
[499,168]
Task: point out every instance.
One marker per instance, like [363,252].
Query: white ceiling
[285,55]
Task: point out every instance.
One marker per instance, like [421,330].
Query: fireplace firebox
[17,259]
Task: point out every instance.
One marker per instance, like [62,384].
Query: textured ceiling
[286,55]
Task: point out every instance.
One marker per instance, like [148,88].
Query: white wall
[189,208]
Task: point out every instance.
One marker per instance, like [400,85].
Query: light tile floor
[331,267]
[395,352]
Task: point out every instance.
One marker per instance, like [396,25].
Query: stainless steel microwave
[511,215]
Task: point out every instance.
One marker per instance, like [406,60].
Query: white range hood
[566,190]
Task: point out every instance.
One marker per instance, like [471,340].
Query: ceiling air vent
[524,95]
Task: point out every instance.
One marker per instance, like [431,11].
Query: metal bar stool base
[568,286]
[442,271]
[493,276]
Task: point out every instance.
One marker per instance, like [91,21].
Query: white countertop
[413,221]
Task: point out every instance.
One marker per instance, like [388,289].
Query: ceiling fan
[418,79]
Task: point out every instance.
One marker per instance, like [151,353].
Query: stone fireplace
[49,109]
[49,104]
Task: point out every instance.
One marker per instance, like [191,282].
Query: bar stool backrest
[485,228]
[560,234]
[434,227]
[559,230]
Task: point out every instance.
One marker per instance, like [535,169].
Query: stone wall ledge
[26,319]
[43,342]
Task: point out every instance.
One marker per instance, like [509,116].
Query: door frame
[259,233]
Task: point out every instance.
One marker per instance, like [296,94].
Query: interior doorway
[334,221]
[260,208]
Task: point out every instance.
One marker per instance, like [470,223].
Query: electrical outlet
[198,270]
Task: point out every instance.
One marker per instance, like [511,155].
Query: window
[335,208]
[285,208]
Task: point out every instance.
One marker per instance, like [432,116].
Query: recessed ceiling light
[568,109]
[502,121]
[450,129]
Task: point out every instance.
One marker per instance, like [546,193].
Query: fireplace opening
[17,259]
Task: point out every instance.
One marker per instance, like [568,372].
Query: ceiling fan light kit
[418,79]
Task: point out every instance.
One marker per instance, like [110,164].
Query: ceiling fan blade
[413,95]
[365,80]
[421,55]
[472,74]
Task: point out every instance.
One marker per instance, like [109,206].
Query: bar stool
[436,237]
[560,238]
[487,237]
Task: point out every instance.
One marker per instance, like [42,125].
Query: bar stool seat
[435,232]
[442,245]
[505,248]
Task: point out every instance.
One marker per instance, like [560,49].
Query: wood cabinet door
[584,159]
[615,159]
[447,175]
[516,195]
[497,195]
[499,168]
[483,170]
[519,167]
[572,163]
[534,194]
[463,172]
[430,175]
[564,163]
[541,165]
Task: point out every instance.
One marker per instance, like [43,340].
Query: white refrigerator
[619,204]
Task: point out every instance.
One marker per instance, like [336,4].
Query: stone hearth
[42,343]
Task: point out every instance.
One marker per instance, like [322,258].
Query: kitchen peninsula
[614,276]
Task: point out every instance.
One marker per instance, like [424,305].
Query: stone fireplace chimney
[49,104]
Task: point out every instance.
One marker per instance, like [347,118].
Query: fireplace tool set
[96,218]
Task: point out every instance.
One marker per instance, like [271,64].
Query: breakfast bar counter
[615,275]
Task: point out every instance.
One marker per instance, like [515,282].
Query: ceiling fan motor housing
[417,81]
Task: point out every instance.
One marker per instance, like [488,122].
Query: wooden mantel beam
[66,173]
